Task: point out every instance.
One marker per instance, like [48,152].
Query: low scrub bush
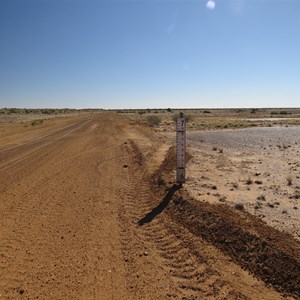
[37,122]
[153,120]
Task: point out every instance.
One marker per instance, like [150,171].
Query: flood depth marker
[180,149]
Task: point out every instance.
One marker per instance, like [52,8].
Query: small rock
[222,198]
[146,253]
[21,291]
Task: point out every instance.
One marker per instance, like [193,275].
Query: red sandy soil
[89,210]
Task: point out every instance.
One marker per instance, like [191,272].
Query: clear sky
[149,53]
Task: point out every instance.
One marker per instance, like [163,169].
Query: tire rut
[192,277]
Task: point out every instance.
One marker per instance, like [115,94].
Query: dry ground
[89,210]
[258,168]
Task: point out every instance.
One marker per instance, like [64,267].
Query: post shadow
[161,206]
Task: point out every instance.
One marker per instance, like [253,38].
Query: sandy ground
[256,167]
[89,210]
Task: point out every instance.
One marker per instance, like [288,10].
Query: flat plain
[90,210]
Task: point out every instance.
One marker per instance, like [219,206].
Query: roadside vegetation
[153,120]
[33,117]
[197,119]
[210,119]
[37,122]
[44,111]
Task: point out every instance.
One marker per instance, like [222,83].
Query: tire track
[191,272]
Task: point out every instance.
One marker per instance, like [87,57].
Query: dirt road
[88,213]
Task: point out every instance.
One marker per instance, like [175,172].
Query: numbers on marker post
[180,149]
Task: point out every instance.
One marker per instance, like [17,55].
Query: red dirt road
[85,215]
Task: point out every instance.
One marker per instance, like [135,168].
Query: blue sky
[149,54]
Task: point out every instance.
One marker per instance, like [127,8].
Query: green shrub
[283,112]
[153,120]
[48,111]
[37,122]
[12,110]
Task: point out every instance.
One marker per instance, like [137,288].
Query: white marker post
[180,149]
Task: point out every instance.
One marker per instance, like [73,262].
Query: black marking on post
[180,149]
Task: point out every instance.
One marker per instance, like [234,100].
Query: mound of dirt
[267,253]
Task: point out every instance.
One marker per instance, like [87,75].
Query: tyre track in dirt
[187,268]
[142,271]
[270,255]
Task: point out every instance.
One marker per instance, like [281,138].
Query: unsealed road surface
[78,220]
